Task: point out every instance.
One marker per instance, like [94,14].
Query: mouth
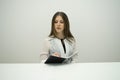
[58,28]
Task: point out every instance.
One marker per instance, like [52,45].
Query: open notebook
[54,59]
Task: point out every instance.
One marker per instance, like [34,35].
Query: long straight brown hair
[68,35]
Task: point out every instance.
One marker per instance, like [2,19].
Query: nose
[58,23]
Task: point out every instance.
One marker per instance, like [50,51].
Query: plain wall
[24,24]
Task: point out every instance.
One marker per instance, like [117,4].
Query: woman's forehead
[58,18]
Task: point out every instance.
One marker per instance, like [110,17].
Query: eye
[55,21]
[61,21]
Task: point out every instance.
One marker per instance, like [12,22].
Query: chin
[58,31]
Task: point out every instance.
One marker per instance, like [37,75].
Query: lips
[58,28]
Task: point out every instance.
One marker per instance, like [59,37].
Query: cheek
[63,26]
[55,26]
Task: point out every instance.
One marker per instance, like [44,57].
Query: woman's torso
[57,46]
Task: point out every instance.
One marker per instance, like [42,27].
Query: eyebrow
[60,20]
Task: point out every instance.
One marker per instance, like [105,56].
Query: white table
[77,71]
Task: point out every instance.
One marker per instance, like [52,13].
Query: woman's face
[59,24]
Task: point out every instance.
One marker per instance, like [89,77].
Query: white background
[24,24]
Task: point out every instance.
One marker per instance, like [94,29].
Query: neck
[60,35]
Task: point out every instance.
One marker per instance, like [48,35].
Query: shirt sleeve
[44,53]
[75,58]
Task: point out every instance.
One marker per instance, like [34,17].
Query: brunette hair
[68,35]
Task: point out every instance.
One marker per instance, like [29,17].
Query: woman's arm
[75,57]
[45,51]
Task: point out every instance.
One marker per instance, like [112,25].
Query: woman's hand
[56,54]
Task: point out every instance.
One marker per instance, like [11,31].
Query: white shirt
[52,45]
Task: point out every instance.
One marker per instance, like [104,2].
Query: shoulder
[46,41]
[49,38]
[71,40]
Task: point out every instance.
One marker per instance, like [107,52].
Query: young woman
[60,42]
